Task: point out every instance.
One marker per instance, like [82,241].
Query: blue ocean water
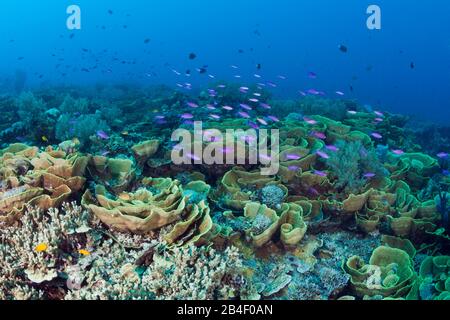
[404,67]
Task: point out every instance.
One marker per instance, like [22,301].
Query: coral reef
[92,207]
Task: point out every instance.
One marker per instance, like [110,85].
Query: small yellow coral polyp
[42,247]
[84,252]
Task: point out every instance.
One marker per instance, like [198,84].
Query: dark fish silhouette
[192,56]
[343,48]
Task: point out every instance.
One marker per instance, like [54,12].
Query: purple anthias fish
[193,157]
[376,135]
[244,114]
[265,106]
[228,108]
[323,155]
[102,135]
[319,135]
[273,118]
[187,116]
[442,155]
[309,121]
[398,152]
[245,106]
[320,173]
[313,92]
[369,175]
[214,116]
[293,157]
[192,105]
[332,148]
[293,168]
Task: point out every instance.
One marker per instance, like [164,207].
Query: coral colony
[125,194]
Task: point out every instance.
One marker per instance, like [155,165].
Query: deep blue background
[296,36]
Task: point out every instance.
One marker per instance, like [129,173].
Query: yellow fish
[84,252]
[44,138]
[42,247]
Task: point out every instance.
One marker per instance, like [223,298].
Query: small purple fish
[244,114]
[442,155]
[187,116]
[192,105]
[228,108]
[293,168]
[340,93]
[398,152]
[319,173]
[102,135]
[323,155]
[265,106]
[243,89]
[332,148]
[245,106]
[273,118]
[313,92]
[214,116]
[293,157]
[352,112]
[369,175]
[262,121]
[227,150]
[253,100]
[193,157]
[310,121]
[376,135]
[319,135]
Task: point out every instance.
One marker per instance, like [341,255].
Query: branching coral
[30,254]
[195,274]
